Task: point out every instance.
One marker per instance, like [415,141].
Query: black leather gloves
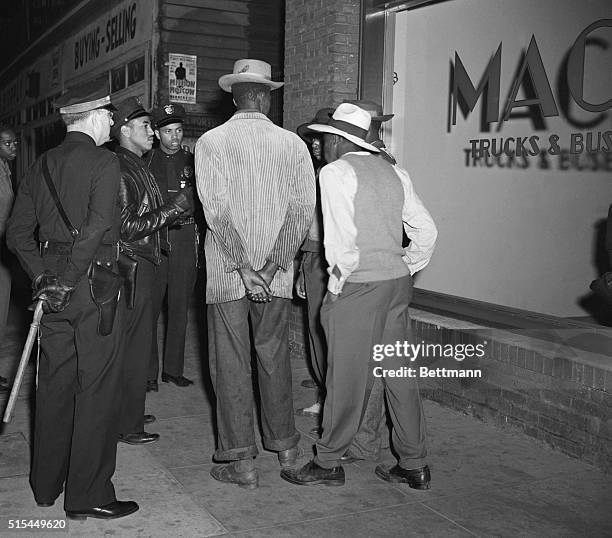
[54,294]
[184,201]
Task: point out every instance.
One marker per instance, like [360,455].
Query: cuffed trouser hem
[363,455]
[412,463]
[281,444]
[233,454]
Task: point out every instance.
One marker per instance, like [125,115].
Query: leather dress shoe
[45,504]
[312,474]
[178,380]
[152,385]
[108,511]
[308,384]
[140,438]
[349,458]
[227,473]
[415,478]
[149,418]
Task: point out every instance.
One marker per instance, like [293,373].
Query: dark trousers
[373,433]
[230,370]
[77,405]
[138,348]
[179,286]
[314,269]
[366,314]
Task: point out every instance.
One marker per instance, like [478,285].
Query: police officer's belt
[59,248]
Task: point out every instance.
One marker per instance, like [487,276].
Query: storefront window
[118,79]
[136,71]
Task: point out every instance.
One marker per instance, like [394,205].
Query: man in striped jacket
[257,187]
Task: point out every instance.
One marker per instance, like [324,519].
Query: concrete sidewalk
[485,481]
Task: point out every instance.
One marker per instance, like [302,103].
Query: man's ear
[157,134]
[125,130]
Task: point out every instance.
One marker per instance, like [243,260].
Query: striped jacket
[256,184]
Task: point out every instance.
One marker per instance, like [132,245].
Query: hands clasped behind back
[257,283]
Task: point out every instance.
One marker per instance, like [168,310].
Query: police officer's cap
[128,109]
[85,97]
[167,114]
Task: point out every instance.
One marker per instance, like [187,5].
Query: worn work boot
[312,474]
[228,473]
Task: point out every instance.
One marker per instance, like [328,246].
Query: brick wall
[547,389]
[321,69]
[321,56]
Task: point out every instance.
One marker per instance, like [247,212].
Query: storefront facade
[140,48]
[503,117]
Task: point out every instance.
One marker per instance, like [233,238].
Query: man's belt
[55,248]
[60,248]
[183,221]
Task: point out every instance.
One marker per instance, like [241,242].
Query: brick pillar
[321,56]
[321,70]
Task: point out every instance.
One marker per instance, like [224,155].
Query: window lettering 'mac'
[467,95]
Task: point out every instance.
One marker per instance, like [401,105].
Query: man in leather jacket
[144,239]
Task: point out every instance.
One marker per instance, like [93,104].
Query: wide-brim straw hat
[350,122]
[249,70]
[372,107]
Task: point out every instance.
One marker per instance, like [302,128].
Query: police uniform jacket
[143,213]
[86,178]
[172,171]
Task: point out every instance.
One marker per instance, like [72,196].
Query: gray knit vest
[378,218]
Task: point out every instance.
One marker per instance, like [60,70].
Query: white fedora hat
[350,122]
[249,71]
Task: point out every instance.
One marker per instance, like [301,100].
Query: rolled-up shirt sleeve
[338,188]
[418,225]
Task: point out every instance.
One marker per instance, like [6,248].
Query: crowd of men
[105,236]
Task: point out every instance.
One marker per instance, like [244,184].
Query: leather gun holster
[128,269]
[104,285]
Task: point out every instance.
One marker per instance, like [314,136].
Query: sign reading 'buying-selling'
[121,30]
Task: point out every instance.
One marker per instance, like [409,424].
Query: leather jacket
[143,213]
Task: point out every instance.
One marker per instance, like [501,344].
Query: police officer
[75,431]
[173,169]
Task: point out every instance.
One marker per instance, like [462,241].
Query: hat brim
[305,132]
[226,81]
[168,121]
[354,139]
[384,117]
